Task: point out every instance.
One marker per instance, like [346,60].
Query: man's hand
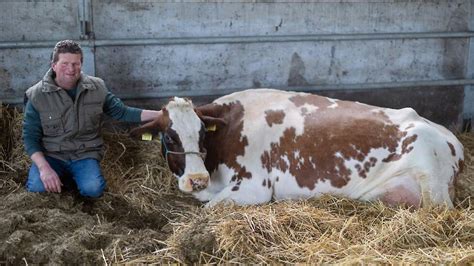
[50,179]
[149,115]
[48,176]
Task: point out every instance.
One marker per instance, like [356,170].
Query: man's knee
[34,183]
[88,177]
[35,186]
[92,188]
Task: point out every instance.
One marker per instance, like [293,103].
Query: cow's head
[182,129]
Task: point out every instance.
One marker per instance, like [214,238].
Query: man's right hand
[48,176]
[50,179]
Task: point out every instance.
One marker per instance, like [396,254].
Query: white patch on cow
[301,161]
[334,103]
[296,154]
[359,103]
[311,161]
[307,108]
[285,158]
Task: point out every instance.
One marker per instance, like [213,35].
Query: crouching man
[62,124]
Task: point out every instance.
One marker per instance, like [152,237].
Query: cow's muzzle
[194,182]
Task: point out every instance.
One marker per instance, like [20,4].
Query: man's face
[68,70]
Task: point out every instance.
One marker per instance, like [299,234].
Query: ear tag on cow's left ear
[147,136]
[211,127]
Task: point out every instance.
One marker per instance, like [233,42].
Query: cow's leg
[248,193]
[435,190]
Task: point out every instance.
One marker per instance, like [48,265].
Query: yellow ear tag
[147,136]
[211,128]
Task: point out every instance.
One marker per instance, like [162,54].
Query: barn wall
[154,49]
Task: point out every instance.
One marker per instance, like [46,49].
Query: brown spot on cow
[373,161]
[269,183]
[406,148]
[274,117]
[367,165]
[264,182]
[406,142]
[454,180]
[362,173]
[268,164]
[227,143]
[451,147]
[347,132]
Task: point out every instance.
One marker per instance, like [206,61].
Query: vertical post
[82,18]
[85,19]
[87,33]
[468,112]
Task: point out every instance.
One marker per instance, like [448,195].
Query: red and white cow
[268,145]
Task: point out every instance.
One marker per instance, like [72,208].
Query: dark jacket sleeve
[116,109]
[32,131]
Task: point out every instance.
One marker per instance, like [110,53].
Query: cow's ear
[153,127]
[213,123]
[210,115]
[212,110]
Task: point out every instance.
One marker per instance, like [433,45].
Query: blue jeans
[85,173]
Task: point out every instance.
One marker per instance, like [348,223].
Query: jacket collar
[49,85]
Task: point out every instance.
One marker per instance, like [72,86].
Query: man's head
[66,63]
[66,47]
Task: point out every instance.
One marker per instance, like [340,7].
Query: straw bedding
[143,218]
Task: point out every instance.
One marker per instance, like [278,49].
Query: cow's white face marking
[187,125]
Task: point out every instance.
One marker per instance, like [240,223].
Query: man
[62,124]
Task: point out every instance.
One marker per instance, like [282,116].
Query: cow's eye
[168,139]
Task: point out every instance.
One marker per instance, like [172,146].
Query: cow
[258,145]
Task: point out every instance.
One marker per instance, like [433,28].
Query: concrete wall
[152,49]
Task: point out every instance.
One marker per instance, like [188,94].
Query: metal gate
[390,53]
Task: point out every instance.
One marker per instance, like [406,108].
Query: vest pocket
[93,117]
[52,124]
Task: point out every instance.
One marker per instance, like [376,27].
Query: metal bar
[283,38]
[313,88]
[38,44]
[247,39]
[468,104]
[83,20]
